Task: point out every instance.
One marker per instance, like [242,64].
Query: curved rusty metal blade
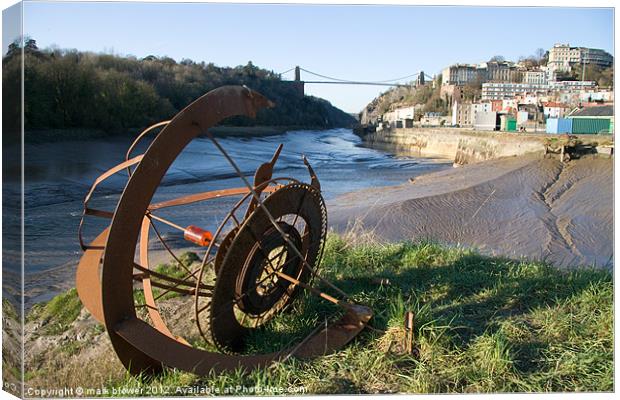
[151,306]
[196,197]
[337,334]
[314,179]
[87,280]
[117,298]
[101,178]
[263,173]
[177,355]
[139,138]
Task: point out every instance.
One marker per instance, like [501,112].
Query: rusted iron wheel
[283,220]
[248,290]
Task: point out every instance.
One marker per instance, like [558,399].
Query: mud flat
[520,207]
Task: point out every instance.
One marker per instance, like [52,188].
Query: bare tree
[539,54]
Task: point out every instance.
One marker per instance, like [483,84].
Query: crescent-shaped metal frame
[145,348]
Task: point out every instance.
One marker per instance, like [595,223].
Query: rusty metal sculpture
[260,260]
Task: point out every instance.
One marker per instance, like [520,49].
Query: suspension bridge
[416,79]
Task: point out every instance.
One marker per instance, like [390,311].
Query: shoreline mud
[518,207]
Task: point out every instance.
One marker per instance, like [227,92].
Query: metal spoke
[237,223]
[270,217]
[176,285]
[163,242]
[151,273]
[243,295]
[205,307]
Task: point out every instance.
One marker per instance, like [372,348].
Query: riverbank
[481,325]
[531,207]
[465,146]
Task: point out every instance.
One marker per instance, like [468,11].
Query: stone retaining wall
[461,145]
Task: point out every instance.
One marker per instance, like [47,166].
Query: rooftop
[602,111]
[554,104]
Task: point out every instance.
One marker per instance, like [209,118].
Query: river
[58,175]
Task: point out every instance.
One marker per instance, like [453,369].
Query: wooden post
[409,332]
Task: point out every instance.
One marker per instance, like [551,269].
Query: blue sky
[353,42]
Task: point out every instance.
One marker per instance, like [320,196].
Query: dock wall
[461,145]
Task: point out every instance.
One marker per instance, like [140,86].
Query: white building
[535,77]
[461,114]
[530,99]
[399,114]
[562,57]
[485,121]
[481,107]
[482,116]
[572,85]
[568,97]
[490,71]
[500,90]
[459,74]
[499,71]
[555,110]
[588,96]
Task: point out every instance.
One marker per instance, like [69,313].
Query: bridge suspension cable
[355,82]
[363,83]
[333,80]
[401,78]
[287,71]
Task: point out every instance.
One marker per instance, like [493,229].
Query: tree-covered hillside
[426,98]
[74,89]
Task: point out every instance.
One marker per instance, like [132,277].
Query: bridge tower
[297,74]
[420,80]
[298,84]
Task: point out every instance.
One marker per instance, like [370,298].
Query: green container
[591,125]
[511,125]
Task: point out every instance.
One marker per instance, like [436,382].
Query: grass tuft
[57,315]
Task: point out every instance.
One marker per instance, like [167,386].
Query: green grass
[9,311]
[57,314]
[482,324]
[174,270]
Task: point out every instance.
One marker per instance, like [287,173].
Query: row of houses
[562,58]
[403,117]
[498,90]
[550,116]
[524,113]
[465,114]
[496,71]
